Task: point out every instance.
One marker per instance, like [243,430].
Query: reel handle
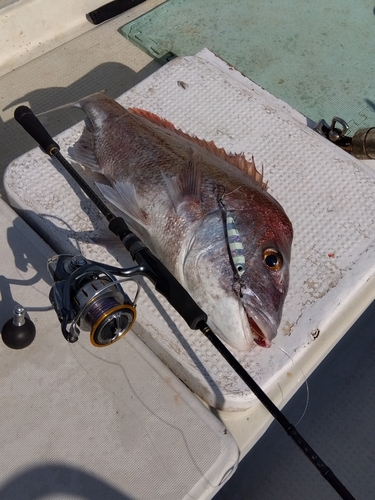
[33,126]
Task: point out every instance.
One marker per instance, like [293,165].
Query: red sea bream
[206,214]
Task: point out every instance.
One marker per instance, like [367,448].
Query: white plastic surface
[30,28]
[328,195]
[81,422]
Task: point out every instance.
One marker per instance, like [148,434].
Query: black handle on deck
[32,125]
[111,9]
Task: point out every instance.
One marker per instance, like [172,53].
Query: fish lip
[263,328]
[258,335]
[263,323]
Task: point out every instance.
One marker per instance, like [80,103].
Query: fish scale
[165,182]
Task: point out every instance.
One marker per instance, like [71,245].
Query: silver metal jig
[235,244]
[234,239]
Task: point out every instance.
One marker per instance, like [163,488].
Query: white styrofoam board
[76,418]
[328,195]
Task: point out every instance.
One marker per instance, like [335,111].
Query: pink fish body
[204,213]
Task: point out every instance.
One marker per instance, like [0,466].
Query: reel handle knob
[32,125]
[18,332]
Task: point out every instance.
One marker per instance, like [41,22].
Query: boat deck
[340,411]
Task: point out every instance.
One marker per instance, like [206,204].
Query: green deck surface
[316,56]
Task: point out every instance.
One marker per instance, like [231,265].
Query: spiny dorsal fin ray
[237,160]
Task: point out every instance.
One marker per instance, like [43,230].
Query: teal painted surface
[317,56]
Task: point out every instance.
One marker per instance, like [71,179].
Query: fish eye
[273,259]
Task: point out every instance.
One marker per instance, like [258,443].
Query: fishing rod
[164,282]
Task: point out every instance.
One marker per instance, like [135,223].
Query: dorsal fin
[237,160]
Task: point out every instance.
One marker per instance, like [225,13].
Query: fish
[205,213]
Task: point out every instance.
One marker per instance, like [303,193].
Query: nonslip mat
[328,195]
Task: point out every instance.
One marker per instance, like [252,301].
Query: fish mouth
[262,323]
[258,335]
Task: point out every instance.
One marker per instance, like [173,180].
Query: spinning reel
[87,296]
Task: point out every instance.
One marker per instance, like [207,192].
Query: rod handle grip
[26,118]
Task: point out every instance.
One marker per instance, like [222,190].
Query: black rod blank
[177,296]
[314,458]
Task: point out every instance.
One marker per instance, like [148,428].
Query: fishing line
[166,284]
[83,356]
[233,191]
[304,378]
[41,309]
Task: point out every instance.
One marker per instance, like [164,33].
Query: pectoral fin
[123,196]
[185,188]
[83,150]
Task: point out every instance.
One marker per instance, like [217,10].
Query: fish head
[265,282]
[247,308]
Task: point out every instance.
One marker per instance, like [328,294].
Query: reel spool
[89,297]
[105,310]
